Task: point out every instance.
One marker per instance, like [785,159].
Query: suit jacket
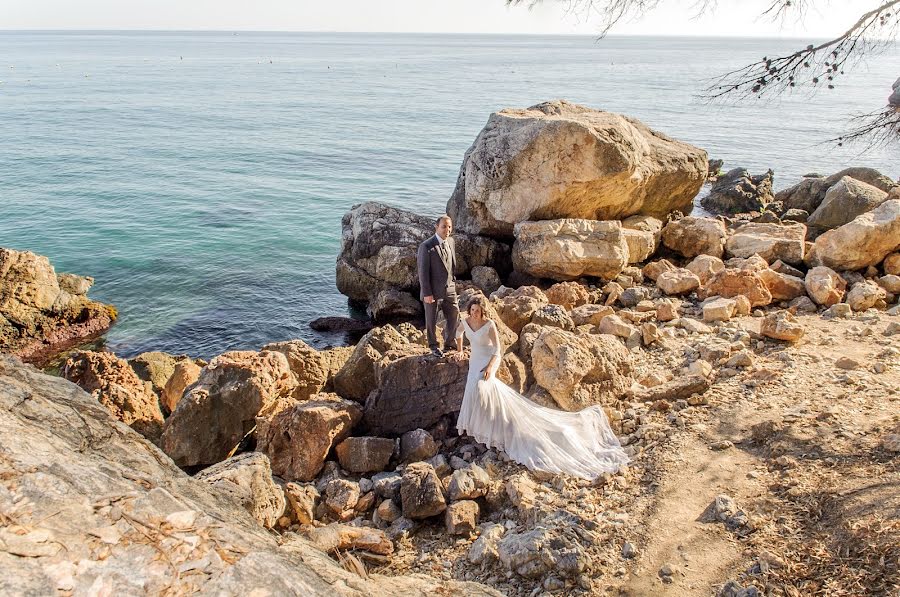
[436,268]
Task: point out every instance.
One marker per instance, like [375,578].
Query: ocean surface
[201,177]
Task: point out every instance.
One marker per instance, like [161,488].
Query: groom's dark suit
[436,262]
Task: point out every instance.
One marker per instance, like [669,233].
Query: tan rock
[781,325]
[302,501]
[562,160]
[824,286]
[890,282]
[462,517]
[705,267]
[421,492]
[782,287]
[568,295]
[569,249]
[155,367]
[342,537]
[614,325]
[844,201]
[186,374]
[678,281]
[731,282]
[590,314]
[720,309]
[247,478]
[653,269]
[298,439]
[313,369]
[667,310]
[516,309]
[356,378]
[865,295]
[649,333]
[865,241]
[742,305]
[891,264]
[691,236]
[365,454]
[772,242]
[643,235]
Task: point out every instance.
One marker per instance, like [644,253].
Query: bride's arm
[498,348]
[459,337]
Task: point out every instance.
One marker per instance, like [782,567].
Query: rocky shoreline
[750,343]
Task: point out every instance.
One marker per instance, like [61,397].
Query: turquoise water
[201,177]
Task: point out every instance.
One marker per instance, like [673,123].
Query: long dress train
[575,443]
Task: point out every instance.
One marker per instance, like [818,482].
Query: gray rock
[738,191]
[421,492]
[365,454]
[417,445]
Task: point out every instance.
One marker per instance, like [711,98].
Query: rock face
[40,312]
[414,391]
[313,369]
[365,454]
[844,201]
[297,439]
[580,371]
[116,386]
[378,251]
[865,241]
[91,474]
[356,378]
[569,249]
[248,479]
[738,191]
[561,160]
[809,193]
[692,236]
[772,242]
[222,406]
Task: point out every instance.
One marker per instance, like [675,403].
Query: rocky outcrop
[845,201]
[356,378]
[42,312]
[222,406]
[772,242]
[104,486]
[313,369]
[248,480]
[113,383]
[692,236]
[378,251]
[569,249]
[809,193]
[865,241]
[560,160]
[738,191]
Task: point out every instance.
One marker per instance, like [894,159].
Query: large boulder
[782,287]
[40,315]
[843,202]
[678,281]
[865,241]
[365,454]
[247,478]
[772,242]
[413,390]
[313,369]
[185,374]
[356,378]
[569,249]
[379,245]
[116,386]
[580,370]
[738,191]
[155,367]
[642,235]
[690,236]
[102,489]
[221,408]
[809,193]
[561,160]
[298,439]
[517,308]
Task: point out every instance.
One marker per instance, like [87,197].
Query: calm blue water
[201,177]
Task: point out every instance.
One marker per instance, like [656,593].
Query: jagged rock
[462,517]
[468,483]
[782,287]
[730,283]
[551,545]
[667,310]
[303,498]
[891,264]
[865,295]
[642,235]
[185,374]
[388,511]
[553,315]
[865,241]
[692,236]
[417,445]
[90,474]
[516,309]
[421,492]
[155,367]
[579,371]
[545,249]
[247,479]
[222,406]
[562,160]
[680,388]
[485,548]
[809,193]
[298,439]
[678,281]
[568,295]
[590,314]
[720,309]
[738,191]
[378,251]
[391,304]
[39,317]
[824,286]
[117,387]
[365,454]
[837,311]
[486,278]
[795,215]
[313,369]
[772,242]
[781,325]
[653,269]
[341,497]
[844,201]
[342,537]
[705,267]
[387,485]
[356,379]
[890,283]
[614,325]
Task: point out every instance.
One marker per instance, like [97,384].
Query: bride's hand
[486,374]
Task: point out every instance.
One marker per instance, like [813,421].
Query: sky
[675,17]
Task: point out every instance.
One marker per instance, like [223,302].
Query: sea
[201,177]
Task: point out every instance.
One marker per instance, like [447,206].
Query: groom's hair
[441,218]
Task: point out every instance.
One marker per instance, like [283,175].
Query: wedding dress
[576,443]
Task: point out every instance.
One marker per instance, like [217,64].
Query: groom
[436,260]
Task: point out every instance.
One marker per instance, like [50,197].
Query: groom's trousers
[450,307]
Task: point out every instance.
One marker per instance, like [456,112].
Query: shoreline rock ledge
[42,312]
[558,160]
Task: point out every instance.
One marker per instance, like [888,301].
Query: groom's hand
[429,299]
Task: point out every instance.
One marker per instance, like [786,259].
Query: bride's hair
[487,310]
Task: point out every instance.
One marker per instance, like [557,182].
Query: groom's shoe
[437,352]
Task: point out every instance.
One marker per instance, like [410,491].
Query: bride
[576,443]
